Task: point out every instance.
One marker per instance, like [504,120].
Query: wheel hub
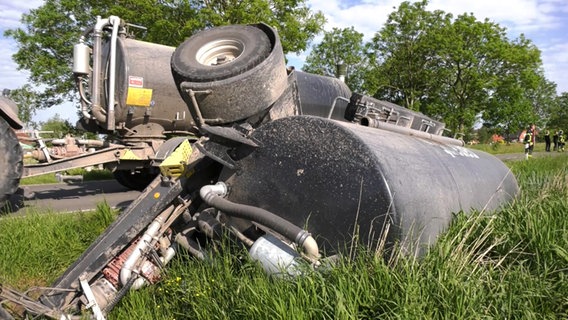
[220,52]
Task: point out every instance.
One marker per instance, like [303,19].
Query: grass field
[500,148]
[91,175]
[509,265]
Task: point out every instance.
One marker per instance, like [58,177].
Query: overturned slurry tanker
[294,165]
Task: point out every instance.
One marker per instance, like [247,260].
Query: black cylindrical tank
[318,93]
[145,86]
[339,179]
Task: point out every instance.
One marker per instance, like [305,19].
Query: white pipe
[91,142]
[311,248]
[141,246]
[169,254]
[97,68]
[115,22]
[220,189]
[59,142]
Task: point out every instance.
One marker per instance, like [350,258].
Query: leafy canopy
[339,47]
[45,44]
[459,70]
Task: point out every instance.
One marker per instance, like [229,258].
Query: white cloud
[11,78]
[11,12]
[10,15]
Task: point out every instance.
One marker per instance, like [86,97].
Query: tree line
[456,69]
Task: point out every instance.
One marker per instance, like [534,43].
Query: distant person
[555,140]
[529,141]
[547,140]
[561,140]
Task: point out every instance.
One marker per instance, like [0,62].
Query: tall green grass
[507,265]
[36,248]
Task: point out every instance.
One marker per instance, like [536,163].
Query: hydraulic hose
[213,196]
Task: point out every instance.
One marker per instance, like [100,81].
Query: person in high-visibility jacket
[530,139]
[547,140]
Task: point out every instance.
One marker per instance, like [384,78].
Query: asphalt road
[73,197]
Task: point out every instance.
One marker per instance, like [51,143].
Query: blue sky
[545,22]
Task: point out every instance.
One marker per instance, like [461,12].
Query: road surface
[67,197]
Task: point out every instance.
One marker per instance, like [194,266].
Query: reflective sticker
[134,81]
[139,97]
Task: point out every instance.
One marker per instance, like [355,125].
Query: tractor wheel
[138,180]
[11,162]
[220,53]
[236,71]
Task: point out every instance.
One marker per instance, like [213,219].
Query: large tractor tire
[11,162]
[242,68]
[134,180]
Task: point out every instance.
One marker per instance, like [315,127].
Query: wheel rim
[220,52]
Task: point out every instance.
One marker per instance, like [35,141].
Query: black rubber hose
[120,294]
[259,215]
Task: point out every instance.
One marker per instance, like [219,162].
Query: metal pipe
[115,22]
[91,142]
[412,132]
[334,103]
[83,101]
[212,195]
[142,246]
[97,109]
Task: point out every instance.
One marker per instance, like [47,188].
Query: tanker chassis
[293,165]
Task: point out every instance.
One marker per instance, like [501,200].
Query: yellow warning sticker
[129,155]
[140,97]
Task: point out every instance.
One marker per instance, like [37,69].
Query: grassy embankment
[506,148]
[510,265]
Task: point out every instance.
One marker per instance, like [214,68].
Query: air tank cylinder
[81,58]
[343,181]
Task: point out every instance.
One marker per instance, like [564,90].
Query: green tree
[25,97]
[46,42]
[402,54]
[339,47]
[469,56]
[294,20]
[57,127]
[521,95]
[456,69]
[559,113]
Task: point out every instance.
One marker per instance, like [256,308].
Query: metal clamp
[92,302]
